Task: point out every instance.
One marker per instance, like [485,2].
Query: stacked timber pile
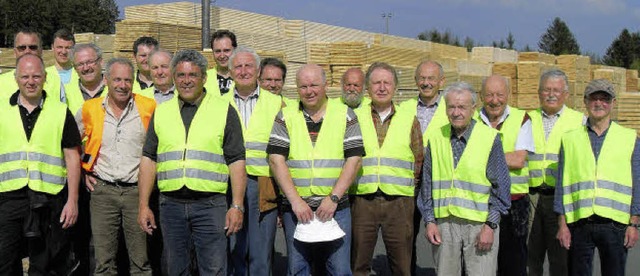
[577,69]
[529,69]
[104,41]
[493,55]
[628,111]
[632,80]
[172,37]
[509,71]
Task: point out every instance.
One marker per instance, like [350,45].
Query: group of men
[201,169]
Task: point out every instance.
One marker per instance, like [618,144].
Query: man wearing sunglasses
[28,41]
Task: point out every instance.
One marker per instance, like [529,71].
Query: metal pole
[206,11]
[386,16]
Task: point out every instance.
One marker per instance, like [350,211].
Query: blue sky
[594,23]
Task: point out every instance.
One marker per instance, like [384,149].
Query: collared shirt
[525,135]
[426,112]
[549,120]
[121,146]
[596,145]
[497,173]
[65,75]
[85,93]
[143,85]
[70,135]
[245,107]
[416,138]
[161,97]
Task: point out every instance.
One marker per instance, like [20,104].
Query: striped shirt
[425,112]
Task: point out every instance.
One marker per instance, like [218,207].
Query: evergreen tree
[511,41]
[622,51]
[558,39]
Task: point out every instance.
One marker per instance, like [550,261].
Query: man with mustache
[142,48]
[159,65]
[385,187]
[548,122]
[223,42]
[352,83]
[597,196]
[114,127]
[87,61]
[465,188]
[514,126]
[430,111]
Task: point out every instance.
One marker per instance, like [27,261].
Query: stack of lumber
[448,51]
[347,53]
[577,70]
[171,37]
[509,71]
[628,111]
[292,28]
[236,20]
[491,55]
[535,56]
[323,32]
[473,68]
[406,77]
[318,52]
[402,42]
[632,80]
[528,73]
[395,56]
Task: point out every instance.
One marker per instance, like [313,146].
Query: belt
[543,191]
[595,219]
[117,183]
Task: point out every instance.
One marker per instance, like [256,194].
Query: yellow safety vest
[195,160]
[602,187]
[389,167]
[509,136]
[147,92]
[462,191]
[544,162]
[256,134]
[315,169]
[39,162]
[212,85]
[439,118]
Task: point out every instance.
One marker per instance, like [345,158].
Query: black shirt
[224,84]
[143,85]
[70,135]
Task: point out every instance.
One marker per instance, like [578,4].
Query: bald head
[311,82]
[495,96]
[30,76]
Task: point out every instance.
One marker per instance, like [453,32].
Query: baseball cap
[599,85]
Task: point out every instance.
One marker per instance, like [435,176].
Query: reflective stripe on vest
[93,120]
[544,162]
[195,160]
[602,187]
[39,162]
[389,167]
[315,168]
[462,191]
[256,134]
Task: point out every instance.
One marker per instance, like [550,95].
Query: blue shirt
[596,145]
[497,173]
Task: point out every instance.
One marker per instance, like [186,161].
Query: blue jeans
[335,256]
[607,237]
[257,236]
[198,223]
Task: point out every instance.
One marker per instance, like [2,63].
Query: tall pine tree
[558,39]
[623,51]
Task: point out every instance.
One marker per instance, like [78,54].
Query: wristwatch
[236,206]
[491,225]
[335,198]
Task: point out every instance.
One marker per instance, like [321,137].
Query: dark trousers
[607,237]
[49,249]
[512,252]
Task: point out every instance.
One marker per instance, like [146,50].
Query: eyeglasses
[86,63]
[31,47]
[552,91]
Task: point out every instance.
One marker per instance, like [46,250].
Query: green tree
[558,39]
[48,16]
[511,41]
[622,52]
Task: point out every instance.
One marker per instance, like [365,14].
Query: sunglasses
[22,48]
